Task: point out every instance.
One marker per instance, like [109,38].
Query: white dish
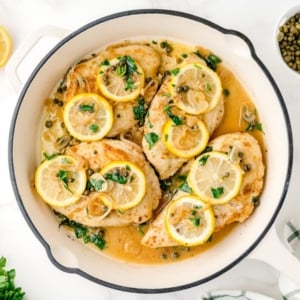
[238,54]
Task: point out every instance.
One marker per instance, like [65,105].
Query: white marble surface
[35,273]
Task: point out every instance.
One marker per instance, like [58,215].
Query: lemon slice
[60,181]
[126,184]
[195,88]
[215,178]
[120,79]
[185,140]
[88,117]
[189,220]
[5,46]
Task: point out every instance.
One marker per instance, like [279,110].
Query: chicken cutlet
[95,156]
[243,149]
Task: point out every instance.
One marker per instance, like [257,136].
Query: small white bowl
[292,11]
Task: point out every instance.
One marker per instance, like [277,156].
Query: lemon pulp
[189,220]
[60,181]
[126,184]
[88,117]
[5,46]
[120,79]
[195,88]
[215,178]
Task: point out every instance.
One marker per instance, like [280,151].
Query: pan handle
[19,56]
[272,251]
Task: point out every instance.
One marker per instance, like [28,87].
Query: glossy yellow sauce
[124,242]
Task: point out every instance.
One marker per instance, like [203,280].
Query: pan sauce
[124,242]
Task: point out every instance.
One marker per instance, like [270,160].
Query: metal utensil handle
[24,49]
[272,251]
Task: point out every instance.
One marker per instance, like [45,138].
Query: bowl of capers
[288,39]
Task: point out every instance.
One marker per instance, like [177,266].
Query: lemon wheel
[5,46]
[126,184]
[120,79]
[189,220]
[88,117]
[60,181]
[195,88]
[215,178]
[185,140]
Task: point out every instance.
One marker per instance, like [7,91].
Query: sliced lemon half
[88,117]
[195,88]
[189,220]
[187,139]
[215,178]
[126,184]
[120,79]
[5,46]
[60,181]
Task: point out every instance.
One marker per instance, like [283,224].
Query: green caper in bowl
[288,39]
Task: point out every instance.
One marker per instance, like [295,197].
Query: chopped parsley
[185,187]
[127,66]
[87,107]
[151,138]
[64,176]
[176,119]
[51,156]
[105,63]
[95,184]
[175,71]
[217,192]
[82,232]
[94,128]
[195,218]
[254,125]
[117,177]
[208,149]
[140,111]
[211,60]
[203,160]
[195,221]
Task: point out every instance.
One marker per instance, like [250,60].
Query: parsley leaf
[203,160]
[211,60]
[217,192]
[185,187]
[176,119]
[95,184]
[140,111]
[8,290]
[151,138]
[82,232]
[122,179]
[86,107]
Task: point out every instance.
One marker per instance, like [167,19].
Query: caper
[163,256]
[148,79]
[48,123]
[289,41]
[58,102]
[175,255]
